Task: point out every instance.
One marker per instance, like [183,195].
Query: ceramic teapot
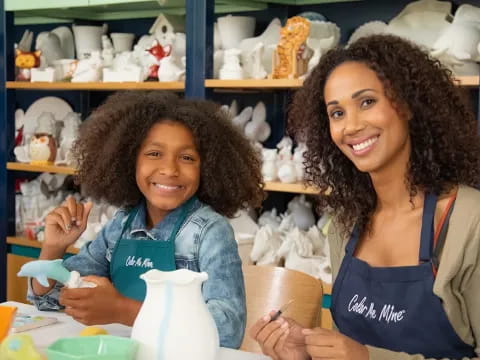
[174,321]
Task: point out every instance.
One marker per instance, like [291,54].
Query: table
[67,327]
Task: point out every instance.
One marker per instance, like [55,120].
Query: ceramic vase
[174,321]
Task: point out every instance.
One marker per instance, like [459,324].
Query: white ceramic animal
[302,213]
[258,129]
[269,164]
[265,247]
[231,68]
[169,70]
[89,70]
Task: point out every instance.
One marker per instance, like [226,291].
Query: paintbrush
[281,310]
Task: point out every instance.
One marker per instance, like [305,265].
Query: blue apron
[394,307]
[132,257]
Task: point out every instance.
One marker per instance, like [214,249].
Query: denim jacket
[205,242]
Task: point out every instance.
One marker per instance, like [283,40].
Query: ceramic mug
[122,41]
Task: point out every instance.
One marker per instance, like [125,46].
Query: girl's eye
[153,154]
[187,158]
[367,102]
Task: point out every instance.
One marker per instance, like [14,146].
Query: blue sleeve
[93,259]
[224,291]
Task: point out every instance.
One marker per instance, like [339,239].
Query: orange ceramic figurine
[25,61]
[287,60]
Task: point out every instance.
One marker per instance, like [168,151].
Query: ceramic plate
[52,104]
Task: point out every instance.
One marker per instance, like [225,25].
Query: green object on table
[101,347]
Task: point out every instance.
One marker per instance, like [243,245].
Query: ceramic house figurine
[24,62]
[161,330]
[287,61]
[43,146]
[165,26]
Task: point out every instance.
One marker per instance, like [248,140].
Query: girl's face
[168,168]
[364,123]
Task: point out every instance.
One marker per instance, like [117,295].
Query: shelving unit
[200,16]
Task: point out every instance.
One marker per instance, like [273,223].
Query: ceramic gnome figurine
[43,146]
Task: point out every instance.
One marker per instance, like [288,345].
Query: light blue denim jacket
[205,242]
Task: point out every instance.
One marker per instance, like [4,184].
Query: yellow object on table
[7,314]
[93,330]
[19,347]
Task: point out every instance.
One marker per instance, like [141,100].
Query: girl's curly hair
[106,151]
[443,129]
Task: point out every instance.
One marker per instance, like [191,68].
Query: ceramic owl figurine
[43,146]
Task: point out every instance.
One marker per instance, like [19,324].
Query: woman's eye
[336,114]
[367,102]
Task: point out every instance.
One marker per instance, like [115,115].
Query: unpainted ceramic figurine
[43,145]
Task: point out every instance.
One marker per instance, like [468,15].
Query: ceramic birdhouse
[43,146]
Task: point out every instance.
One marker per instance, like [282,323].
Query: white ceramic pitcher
[174,322]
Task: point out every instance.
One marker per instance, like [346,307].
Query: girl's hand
[281,339]
[93,306]
[329,344]
[65,224]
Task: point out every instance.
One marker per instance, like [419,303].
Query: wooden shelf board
[292,188]
[469,80]
[295,83]
[149,85]
[22,241]
[251,83]
[40,168]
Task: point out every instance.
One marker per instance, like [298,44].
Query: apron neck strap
[131,216]
[186,207]
[426,237]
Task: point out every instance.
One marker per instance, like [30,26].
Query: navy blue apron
[394,307]
[133,257]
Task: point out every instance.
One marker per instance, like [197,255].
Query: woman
[390,134]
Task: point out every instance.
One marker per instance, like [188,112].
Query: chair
[269,288]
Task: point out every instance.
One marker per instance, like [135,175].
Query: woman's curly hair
[109,141]
[443,130]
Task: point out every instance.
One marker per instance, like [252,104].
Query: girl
[174,166]
[390,134]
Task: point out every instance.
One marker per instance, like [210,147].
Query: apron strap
[131,216]
[352,242]
[182,217]
[441,233]
[426,235]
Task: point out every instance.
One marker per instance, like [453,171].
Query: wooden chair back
[268,288]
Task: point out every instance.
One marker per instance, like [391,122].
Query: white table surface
[67,327]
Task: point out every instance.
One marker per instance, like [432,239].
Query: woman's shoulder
[467,203]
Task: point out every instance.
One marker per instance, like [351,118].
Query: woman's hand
[328,344]
[102,304]
[65,224]
[281,339]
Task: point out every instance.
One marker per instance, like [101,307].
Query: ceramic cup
[122,41]
[234,29]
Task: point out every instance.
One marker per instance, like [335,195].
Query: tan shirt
[458,278]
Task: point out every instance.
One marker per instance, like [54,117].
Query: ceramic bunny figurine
[269,165]
[302,213]
[241,119]
[258,128]
[286,167]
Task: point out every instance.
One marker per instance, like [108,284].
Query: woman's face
[364,123]
[168,168]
